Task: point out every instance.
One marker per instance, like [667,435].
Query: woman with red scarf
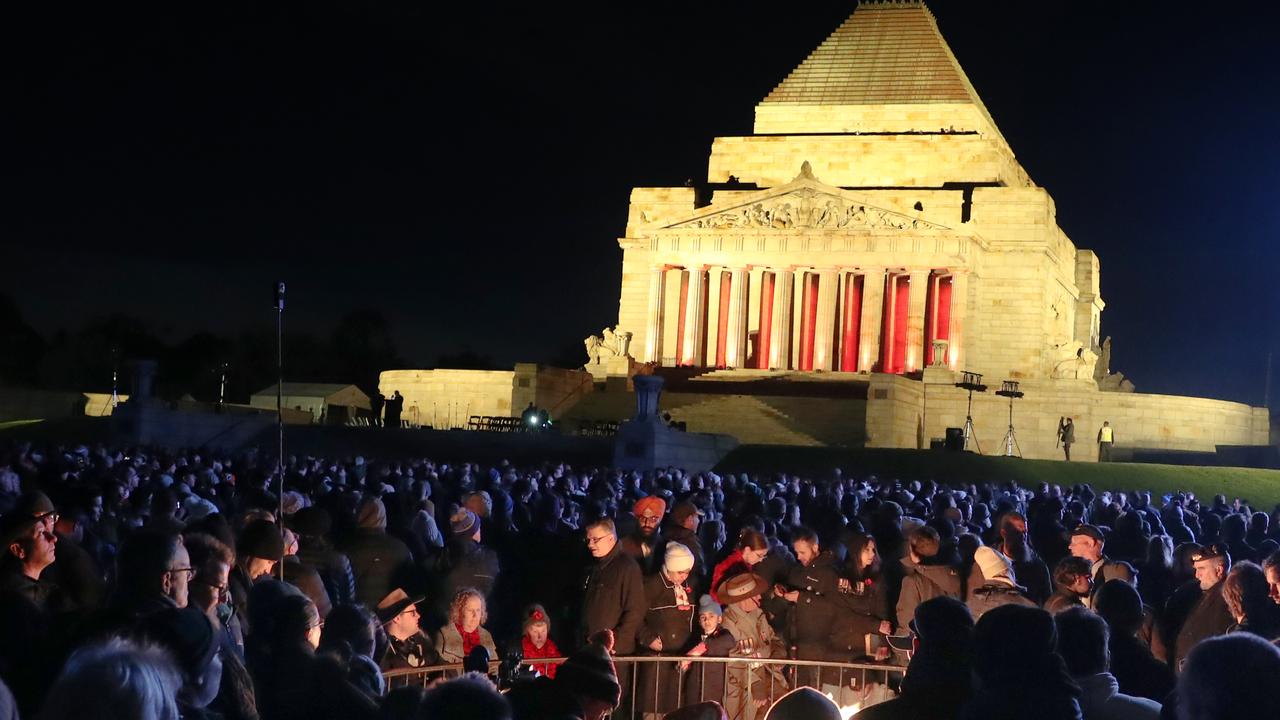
[752,547]
[536,642]
[463,632]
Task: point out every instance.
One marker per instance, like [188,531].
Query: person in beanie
[998,587]
[667,625]
[378,560]
[705,681]
[407,645]
[590,679]
[804,703]
[191,638]
[938,681]
[312,526]
[536,642]
[467,563]
[643,544]
[1019,671]
[259,549]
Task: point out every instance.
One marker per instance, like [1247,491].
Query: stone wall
[906,413]
[866,160]
[448,398]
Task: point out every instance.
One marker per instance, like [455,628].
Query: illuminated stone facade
[864,220]
[878,223]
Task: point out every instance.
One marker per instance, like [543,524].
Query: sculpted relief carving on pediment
[808,208]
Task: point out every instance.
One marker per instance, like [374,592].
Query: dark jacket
[299,685]
[659,684]
[1138,671]
[936,686]
[1209,617]
[470,564]
[924,582]
[305,578]
[614,600]
[379,562]
[333,566]
[705,681]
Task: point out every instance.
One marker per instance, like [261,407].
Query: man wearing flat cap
[1210,616]
[644,543]
[1088,542]
[408,646]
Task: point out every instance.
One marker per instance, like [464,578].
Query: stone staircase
[752,419]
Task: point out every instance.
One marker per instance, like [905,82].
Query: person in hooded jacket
[927,574]
[999,585]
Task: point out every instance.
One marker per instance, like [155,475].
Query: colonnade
[807,318]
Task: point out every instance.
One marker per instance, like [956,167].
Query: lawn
[1260,487]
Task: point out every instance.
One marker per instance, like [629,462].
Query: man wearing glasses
[30,546]
[408,646]
[614,597]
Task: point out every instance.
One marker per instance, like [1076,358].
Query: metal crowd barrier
[749,686]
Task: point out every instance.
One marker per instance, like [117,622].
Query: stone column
[919,280]
[959,311]
[872,311]
[739,296]
[825,323]
[657,301]
[695,349]
[780,335]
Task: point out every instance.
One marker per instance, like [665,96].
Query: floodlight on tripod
[972,382]
[1009,389]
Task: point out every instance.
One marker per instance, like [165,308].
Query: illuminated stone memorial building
[839,267]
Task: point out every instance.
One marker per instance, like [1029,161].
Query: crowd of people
[185,584]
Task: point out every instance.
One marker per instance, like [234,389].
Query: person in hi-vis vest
[1106,438]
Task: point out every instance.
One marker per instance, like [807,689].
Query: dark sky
[468,173]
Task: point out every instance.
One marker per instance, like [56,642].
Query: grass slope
[1260,487]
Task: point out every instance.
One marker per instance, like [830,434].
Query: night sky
[468,174]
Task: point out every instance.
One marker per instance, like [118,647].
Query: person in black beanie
[938,680]
[1020,673]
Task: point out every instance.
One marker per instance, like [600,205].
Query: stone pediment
[805,202]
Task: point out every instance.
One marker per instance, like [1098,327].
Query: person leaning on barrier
[407,645]
[748,624]
[665,631]
[464,631]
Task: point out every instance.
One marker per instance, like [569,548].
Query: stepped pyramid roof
[885,53]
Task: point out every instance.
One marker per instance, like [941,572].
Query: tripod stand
[969,433]
[1010,390]
[972,382]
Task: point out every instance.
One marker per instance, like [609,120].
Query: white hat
[678,558]
[993,564]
